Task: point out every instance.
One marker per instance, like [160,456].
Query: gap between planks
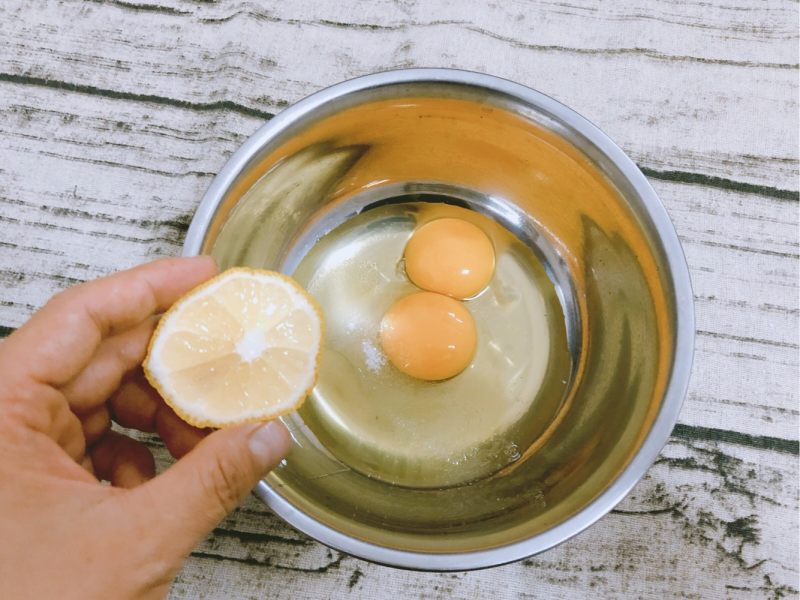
[676,176]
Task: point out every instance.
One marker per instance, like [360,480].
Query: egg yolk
[450,256]
[428,336]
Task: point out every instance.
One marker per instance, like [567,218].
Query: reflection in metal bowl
[557,187]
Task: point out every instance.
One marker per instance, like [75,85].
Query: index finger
[59,340]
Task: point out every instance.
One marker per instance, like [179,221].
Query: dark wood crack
[219,105]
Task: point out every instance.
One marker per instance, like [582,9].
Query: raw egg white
[428,336]
[450,256]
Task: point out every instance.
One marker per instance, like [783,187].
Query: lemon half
[244,346]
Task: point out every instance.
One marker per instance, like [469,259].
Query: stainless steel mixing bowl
[560,186]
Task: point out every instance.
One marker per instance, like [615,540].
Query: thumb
[197,492]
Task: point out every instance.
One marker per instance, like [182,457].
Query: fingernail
[269,443]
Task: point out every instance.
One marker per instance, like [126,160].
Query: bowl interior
[538,177]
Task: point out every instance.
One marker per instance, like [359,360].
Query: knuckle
[29,407]
[224,482]
[127,355]
[66,296]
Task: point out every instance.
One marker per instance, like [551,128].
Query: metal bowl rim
[678,383]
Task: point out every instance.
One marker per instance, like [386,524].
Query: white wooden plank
[702,509]
[720,116]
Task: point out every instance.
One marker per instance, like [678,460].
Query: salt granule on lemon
[244,346]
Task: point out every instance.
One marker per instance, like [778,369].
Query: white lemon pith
[244,346]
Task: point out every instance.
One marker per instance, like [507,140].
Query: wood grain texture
[713,507]
[719,103]
[116,114]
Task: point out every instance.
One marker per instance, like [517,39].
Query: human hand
[63,376]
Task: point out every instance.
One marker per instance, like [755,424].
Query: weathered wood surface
[115,115]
